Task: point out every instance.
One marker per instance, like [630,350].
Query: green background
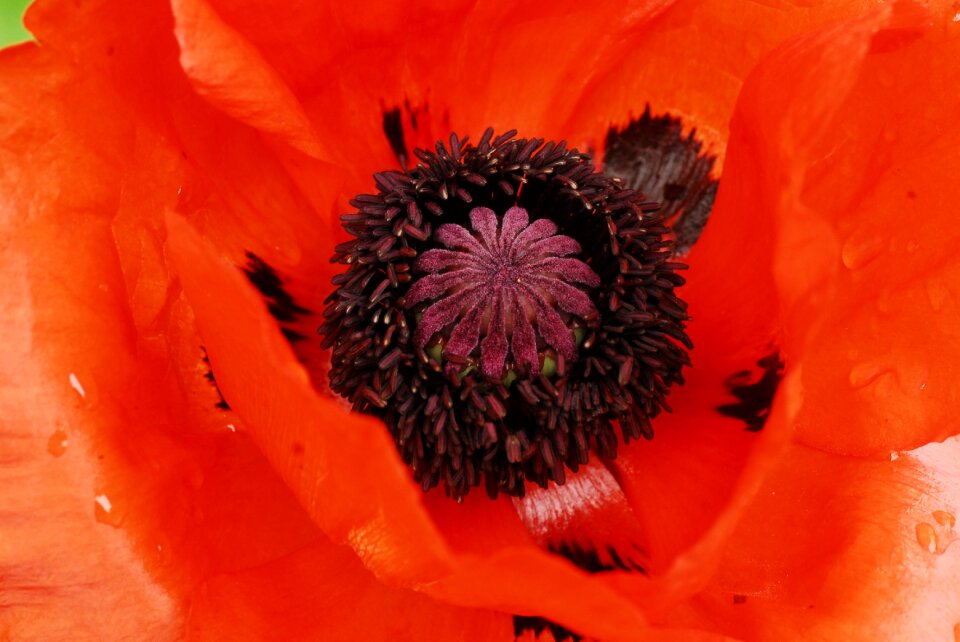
[11,23]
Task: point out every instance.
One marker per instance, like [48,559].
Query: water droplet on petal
[57,444]
[164,550]
[912,377]
[945,518]
[290,251]
[863,374]
[105,512]
[927,537]
[857,253]
[104,503]
[75,384]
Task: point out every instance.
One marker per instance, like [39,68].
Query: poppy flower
[177,463]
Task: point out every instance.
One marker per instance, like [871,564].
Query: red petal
[531,576]
[343,467]
[232,75]
[588,515]
[691,62]
[61,567]
[689,487]
[130,45]
[348,67]
[127,498]
[323,592]
[837,548]
[124,490]
[346,472]
[386,57]
[400,546]
[535,63]
[248,194]
[500,566]
[310,44]
[851,153]
[277,201]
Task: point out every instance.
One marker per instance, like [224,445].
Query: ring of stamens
[506,310]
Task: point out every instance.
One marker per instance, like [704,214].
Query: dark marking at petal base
[652,156]
[280,303]
[420,112]
[393,130]
[588,558]
[222,403]
[292,335]
[754,398]
[537,625]
[739,599]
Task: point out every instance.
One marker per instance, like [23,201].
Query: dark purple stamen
[506,284]
[479,335]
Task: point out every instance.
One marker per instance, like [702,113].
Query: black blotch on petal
[414,112]
[222,404]
[393,130]
[537,625]
[652,156]
[754,398]
[589,559]
[292,335]
[281,305]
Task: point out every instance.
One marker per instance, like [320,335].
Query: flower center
[511,282]
[507,311]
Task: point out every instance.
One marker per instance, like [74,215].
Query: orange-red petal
[589,519]
[232,75]
[278,399]
[692,63]
[836,548]
[347,474]
[343,467]
[852,151]
[50,491]
[324,592]
[129,500]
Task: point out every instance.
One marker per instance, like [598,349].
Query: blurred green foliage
[11,22]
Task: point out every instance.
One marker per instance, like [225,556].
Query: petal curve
[343,467]
[232,75]
[848,144]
